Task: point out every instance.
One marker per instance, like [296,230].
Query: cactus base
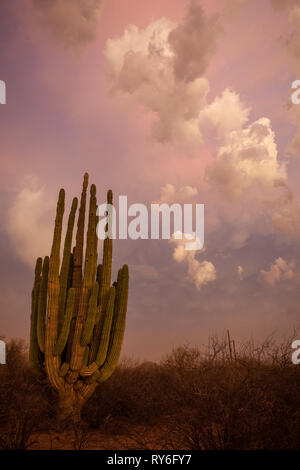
[69,408]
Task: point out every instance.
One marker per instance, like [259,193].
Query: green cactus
[77,317]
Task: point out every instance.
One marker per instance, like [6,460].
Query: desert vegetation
[194,399]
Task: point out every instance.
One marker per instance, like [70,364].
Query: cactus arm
[87,390]
[91,246]
[34,352]
[86,356]
[99,280]
[42,306]
[104,279]
[76,278]
[118,328]
[53,363]
[107,259]
[117,331]
[88,281]
[65,265]
[64,369]
[91,315]
[65,329]
[105,337]
[106,329]
[78,251]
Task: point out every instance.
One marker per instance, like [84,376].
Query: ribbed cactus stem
[107,258]
[91,315]
[78,251]
[77,318]
[52,363]
[42,305]
[64,369]
[34,352]
[104,276]
[65,329]
[117,330]
[88,281]
[105,336]
[65,266]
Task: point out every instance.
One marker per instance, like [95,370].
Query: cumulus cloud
[161,67]
[247,169]
[286,218]
[248,162]
[280,270]
[154,38]
[28,221]
[169,194]
[225,114]
[194,43]
[73,22]
[248,173]
[200,273]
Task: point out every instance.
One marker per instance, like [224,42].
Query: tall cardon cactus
[77,317]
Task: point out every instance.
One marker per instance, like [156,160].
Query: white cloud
[161,67]
[169,194]
[225,114]
[280,270]
[144,41]
[252,183]
[28,221]
[286,218]
[248,162]
[200,273]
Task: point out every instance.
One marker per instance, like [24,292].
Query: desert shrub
[24,400]
[135,393]
[206,401]
[251,403]
[192,399]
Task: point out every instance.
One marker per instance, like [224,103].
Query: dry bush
[24,404]
[203,399]
[192,399]
[250,403]
[130,396]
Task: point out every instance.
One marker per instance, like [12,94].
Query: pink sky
[215,115]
